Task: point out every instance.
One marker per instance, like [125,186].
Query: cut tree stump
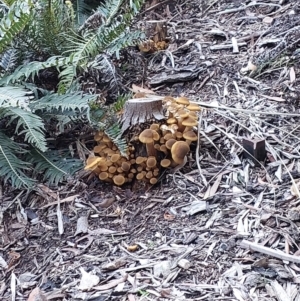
[141,110]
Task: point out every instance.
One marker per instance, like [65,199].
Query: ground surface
[188,238]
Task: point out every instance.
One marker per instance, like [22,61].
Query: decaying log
[141,110]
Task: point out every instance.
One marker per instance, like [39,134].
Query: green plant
[55,39]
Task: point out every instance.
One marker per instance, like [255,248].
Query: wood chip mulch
[221,228]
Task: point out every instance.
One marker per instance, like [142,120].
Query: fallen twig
[265,250]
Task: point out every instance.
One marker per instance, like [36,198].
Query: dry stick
[265,250]
[234,10]
[197,151]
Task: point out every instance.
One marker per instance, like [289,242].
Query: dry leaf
[82,225]
[268,20]
[295,189]
[137,89]
[110,284]
[36,295]
[292,75]
[87,280]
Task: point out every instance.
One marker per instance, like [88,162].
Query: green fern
[32,69]
[28,124]
[54,166]
[114,132]
[77,103]
[12,169]
[14,97]
[17,17]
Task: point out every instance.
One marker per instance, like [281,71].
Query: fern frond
[82,11]
[110,9]
[120,103]
[11,167]
[8,59]
[15,20]
[78,103]
[33,68]
[31,124]
[114,132]
[53,166]
[14,97]
[124,40]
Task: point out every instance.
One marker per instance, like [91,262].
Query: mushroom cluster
[166,144]
[108,164]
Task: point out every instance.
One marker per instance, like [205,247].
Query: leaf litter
[221,227]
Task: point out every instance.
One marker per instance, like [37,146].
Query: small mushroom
[140,160]
[119,180]
[154,127]
[98,136]
[139,176]
[165,163]
[179,150]
[149,175]
[103,175]
[147,137]
[125,166]
[170,143]
[182,100]
[112,169]
[153,181]
[115,158]
[190,136]
[151,162]
[193,107]
[163,149]
[189,122]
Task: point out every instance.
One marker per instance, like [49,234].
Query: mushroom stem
[151,151]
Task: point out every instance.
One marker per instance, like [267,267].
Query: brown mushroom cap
[140,160]
[112,169]
[182,113]
[183,100]
[99,148]
[98,136]
[154,127]
[146,136]
[171,120]
[168,136]
[119,180]
[165,163]
[163,149]
[114,158]
[153,181]
[125,166]
[190,135]
[170,143]
[151,162]
[103,175]
[189,121]
[179,150]
[149,175]
[193,107]
[139,176]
